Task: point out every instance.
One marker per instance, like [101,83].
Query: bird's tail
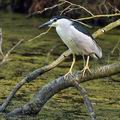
[98,53]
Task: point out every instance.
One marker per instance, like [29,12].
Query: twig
[18,43]
[50,51]
[60,4]
[40,35]
[79,7]
[99,16]
[115,8]
[70,9]
[32,76]
[115,47]
[8,53]
[45,9]
[1,40]
[65,9]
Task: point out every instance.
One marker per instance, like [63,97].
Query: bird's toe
[83,71]
[69,74]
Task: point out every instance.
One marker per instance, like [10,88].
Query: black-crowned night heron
[76,38]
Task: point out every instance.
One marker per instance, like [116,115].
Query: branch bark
[106,28]
[87,101]
[40,71]
[32,76]
[55,86]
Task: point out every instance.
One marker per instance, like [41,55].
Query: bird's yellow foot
[84,70]
[67,74]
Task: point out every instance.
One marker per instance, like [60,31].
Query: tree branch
[5,57]
[79,6]
[32,76]
[99,16]
[87,102]
[1,40]
[44,69]
[106,28]
[55,86]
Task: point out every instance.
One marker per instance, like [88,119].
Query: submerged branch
[55,86]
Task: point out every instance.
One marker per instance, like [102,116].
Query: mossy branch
[98,74]
[32,76]
[55,86]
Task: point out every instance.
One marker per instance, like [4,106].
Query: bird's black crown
[59,17]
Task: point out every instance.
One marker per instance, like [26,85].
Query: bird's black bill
[45,24]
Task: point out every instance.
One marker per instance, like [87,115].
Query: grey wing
[85,43]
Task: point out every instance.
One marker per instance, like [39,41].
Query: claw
[86,68]
[69,74]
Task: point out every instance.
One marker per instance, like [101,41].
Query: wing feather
[86,44]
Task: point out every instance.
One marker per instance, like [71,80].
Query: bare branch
[114,7]
[62,2]
[87,102]
[5,58]
[65,9]
[45,9]
[33,76]
[1,40]
[106,28]
[40,35]
[51,50]
[79,6]
[70,9]
[44,69]
[55,86]
[115,47]
[100,16]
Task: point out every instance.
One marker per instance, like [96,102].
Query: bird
[77,38]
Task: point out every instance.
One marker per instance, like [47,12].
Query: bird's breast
[65,35]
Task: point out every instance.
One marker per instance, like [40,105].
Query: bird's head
[56,21]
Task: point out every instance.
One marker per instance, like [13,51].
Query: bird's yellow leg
[86,67]
[70,70]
